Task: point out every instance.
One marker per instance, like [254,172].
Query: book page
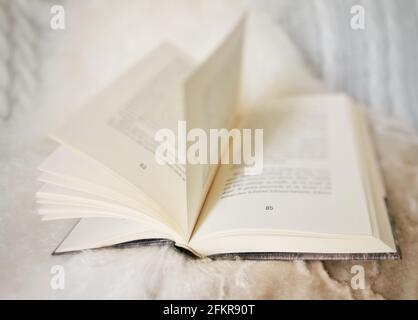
[212,94]
[117,129]
[375,186]
[72,170]
[311,180]
[90,233]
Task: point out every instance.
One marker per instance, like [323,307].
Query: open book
[319,194]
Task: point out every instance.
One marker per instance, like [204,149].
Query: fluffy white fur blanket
[100,42]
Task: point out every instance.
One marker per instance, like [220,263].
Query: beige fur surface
[100,42]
